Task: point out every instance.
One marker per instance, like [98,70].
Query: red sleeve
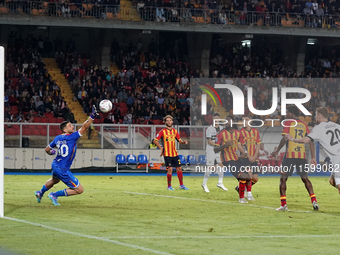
[307,130]
[285,130]
[159,135]
[219,138]
[241,139]
[258,139]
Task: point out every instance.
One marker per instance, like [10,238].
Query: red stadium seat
[157,122]
[49,115]
[35,132]
[183,134]
[43,132]
[40,127]
[124,111]
[36,119]
[122,105]
[11,131]
[53,132]
[52,119]
[44,120]
[27,131]
[59,120]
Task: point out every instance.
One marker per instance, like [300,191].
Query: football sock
[180,177]
[313,197]
[169,176]
[248,186]
[60,193]
[220,176]
[242,187]
[206,176]
[44,189]
[283,200]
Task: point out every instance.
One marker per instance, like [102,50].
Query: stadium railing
[170,14]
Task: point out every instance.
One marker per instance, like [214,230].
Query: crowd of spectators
[153,80]
[30,90]
[65,8]
[149,84]
[270,12]
[235,60]
[313,13]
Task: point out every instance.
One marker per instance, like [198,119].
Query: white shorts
[211,157]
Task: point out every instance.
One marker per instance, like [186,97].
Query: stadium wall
[37,159]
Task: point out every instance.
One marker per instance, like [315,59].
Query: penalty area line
[90,237]
[211,201]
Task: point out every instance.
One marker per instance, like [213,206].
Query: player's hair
[247,116]
[63,125]
[233,119]
[323,111]
[294,110]
[216,114]
[167,116]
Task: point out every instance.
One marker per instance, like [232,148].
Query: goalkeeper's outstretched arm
[89,121]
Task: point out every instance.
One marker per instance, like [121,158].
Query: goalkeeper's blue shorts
[65,176]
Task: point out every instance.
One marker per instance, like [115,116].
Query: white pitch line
[223,237]
[90,237]
[212,201]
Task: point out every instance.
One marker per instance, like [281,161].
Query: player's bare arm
[159,146]
[312,151]
[89,121]
[49,150]
[182,142]
[210,142]
[282,143]
[257,150]
[222,147]
[301,140]
[240,148]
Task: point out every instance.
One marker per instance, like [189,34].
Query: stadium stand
[299,13]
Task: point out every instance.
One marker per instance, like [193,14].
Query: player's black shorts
[289,164]
[254,167]
[234,167]
[172,161]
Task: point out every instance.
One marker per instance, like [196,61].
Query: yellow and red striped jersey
[169,137]
[251,138]
[295,150]
[229,153]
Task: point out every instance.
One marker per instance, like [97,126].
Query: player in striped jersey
[295,156]
[251,137]
[229,141]
[171,159]
[327,133]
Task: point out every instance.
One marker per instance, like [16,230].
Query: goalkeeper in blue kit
[66,145]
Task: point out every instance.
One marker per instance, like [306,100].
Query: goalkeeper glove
[94,113]
[52,152]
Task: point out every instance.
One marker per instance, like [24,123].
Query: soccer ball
[105,105]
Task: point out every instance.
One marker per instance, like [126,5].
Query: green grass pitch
[137,215]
